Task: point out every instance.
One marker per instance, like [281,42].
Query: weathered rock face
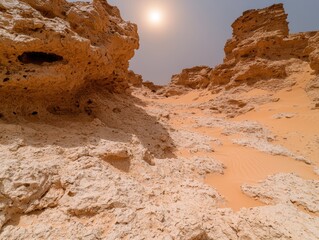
[253,27]
[195,77]
[188,79]
[153,87]
[287,188]
[312,90]
[134,79]
[53,51]
[261,49]
[313,48]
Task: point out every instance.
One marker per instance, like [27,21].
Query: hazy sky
[194,32]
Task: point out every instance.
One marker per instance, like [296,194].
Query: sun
[155,16]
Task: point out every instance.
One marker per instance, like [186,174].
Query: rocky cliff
[54,52]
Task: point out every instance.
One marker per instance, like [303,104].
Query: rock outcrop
[134,79]
[287,188]
[313,48]
[195,77]
[190,78]
[54,52]
[313,91]
[261,49]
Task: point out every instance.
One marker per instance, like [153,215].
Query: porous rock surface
[287,188]
[54,52]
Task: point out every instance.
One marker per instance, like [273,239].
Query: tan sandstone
[54,52]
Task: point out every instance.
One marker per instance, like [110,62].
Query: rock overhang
[56,48]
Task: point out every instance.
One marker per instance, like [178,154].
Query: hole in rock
[71,194]
[122,163]
[39,57]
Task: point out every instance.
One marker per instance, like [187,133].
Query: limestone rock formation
[261,54]
[195,77]
[150,85]
[190,78]
[53,52]
[261,49]
[313,90]
[287,188]
[134,79]
[313,48]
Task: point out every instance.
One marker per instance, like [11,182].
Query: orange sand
[299,134]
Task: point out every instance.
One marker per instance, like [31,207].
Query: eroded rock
[287,188]
[260,53]
[196,77]
[28,187]
[261,48]
[54,52]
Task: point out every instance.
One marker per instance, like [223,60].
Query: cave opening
[39,57]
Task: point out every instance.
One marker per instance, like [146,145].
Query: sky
[194,32]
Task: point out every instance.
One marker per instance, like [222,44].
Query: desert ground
[290,123]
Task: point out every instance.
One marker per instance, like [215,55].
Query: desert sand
[298,133]
[90,151]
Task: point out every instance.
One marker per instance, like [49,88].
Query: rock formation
[53,52]
[191,78]
[313,49]
[261,49]
[287,188]
[195,77]
[313,91]
[261,54]
[134,79]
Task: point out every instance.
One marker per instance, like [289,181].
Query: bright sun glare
[155,16]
